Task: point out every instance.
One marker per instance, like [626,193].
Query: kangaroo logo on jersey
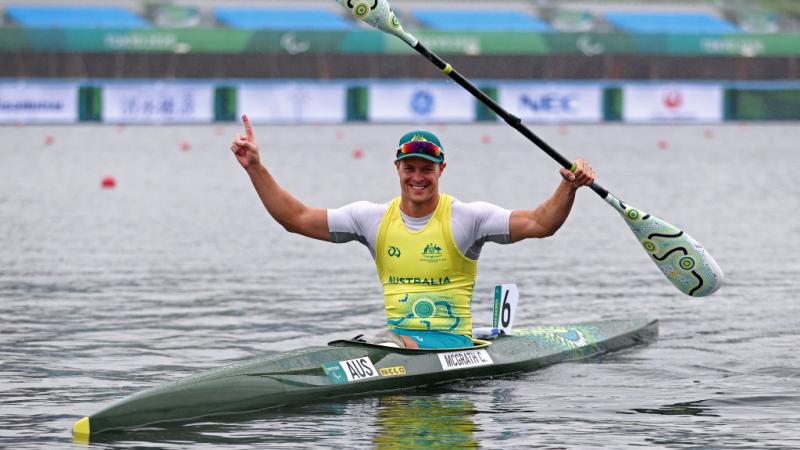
[432,253]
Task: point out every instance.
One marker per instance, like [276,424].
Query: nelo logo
[673,100]
[392,371]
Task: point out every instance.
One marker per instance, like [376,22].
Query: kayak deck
[347,368]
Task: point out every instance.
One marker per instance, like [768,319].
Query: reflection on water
[696,408]
[408,422]
[397,421]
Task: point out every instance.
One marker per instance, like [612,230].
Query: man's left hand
[583,175]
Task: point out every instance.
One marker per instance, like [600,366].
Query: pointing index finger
[248,128]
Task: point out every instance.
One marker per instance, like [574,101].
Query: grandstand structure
[536,39]
[508,15]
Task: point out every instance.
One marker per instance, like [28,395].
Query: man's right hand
[245,148]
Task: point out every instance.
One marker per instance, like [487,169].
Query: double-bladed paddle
[684,262]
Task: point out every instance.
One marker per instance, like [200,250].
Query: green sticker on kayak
[335,372]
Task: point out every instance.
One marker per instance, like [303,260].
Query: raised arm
[545,220]
[293,215]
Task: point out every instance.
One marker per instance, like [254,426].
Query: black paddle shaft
[511,119]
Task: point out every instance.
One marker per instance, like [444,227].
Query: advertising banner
[415,102]
[158,103]
[294,103]
[591,44]
[38,102]
[672,103]
[293,42]
[552,103]
[735,44]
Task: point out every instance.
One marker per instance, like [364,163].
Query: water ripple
[104,293]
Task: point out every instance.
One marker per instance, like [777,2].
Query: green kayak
[349,368]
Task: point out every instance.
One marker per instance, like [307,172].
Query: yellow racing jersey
[427,281]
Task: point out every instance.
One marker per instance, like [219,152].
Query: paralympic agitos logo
[393,251]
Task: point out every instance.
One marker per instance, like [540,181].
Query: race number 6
[506,297]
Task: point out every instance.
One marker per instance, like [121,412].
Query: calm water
[106,292]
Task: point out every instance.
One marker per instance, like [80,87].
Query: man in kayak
[425,243]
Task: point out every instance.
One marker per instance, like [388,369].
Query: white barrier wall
[38,102]
[702,103]
[295,103]
[552,103]
[376,101]
[420,103]
[141,103]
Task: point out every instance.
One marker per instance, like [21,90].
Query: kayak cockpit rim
[477,344]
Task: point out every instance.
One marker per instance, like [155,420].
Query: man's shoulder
[366,205]
[479,205]
[361,209]
[479,212]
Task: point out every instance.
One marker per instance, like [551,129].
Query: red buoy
[358,153]
[185,146]
[108,182]
[663,144]
[49,140]
[486,139]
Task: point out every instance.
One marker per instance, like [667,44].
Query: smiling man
[425,243]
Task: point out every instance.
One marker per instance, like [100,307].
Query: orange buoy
[108,182]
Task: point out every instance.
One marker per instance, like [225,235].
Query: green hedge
[762,104]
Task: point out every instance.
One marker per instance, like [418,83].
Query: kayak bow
[348,368]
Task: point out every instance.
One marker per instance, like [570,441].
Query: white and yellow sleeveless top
[427,281]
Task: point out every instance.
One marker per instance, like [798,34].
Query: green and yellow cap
[420,144]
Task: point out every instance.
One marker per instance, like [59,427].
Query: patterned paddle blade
[680,258]
[378,14]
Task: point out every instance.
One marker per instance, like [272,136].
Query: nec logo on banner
[548,103]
